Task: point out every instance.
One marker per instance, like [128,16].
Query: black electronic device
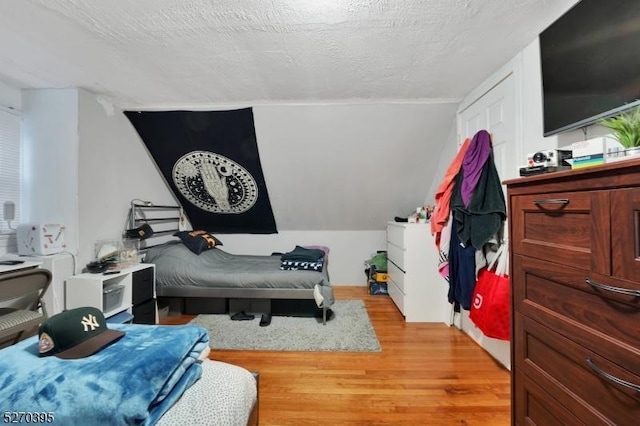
[11,262]
[97,266]
[538,170]
[589,66]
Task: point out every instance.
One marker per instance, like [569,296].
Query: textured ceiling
[167,53]
[392,71]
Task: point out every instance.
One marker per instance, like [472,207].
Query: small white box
[590,152]
[40,238]
[587,147]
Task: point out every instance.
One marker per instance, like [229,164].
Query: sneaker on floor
[242,316]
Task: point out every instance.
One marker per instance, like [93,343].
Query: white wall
[345,167]
[447,153]
[86,163]
[50,152]
[114,167]
[10,99]
[90,163]
[83,165]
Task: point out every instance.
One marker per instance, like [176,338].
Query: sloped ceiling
[145,53]
[170,54]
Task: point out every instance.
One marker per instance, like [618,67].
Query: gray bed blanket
[177,266]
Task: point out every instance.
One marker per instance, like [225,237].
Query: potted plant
[625,128]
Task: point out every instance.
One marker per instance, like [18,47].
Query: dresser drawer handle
[611,378]
[620,290]
[552,201]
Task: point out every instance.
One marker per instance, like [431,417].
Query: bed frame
[165,220]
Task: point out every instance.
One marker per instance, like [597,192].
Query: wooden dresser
[415,285]
[575,271]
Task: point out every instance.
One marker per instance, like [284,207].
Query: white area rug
[349,330]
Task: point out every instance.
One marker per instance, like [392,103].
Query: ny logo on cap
[89,321]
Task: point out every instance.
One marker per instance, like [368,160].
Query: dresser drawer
[396,255]
[575,276]
[396,235]
[396,275]
[558,227]
[559,295]
[562,367]
[142,285]
[145,313]
[396,295]
[536,407]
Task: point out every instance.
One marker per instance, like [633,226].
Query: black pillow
[198,241]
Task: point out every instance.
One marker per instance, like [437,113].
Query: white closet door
[494,111]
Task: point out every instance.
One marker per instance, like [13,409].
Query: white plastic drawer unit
[396,255]
[397,296]
[415,285]
[396,275]
[395,235]
[396,245]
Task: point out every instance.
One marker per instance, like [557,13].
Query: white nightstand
[130,291]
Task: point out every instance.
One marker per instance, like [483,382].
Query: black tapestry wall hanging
[210,160]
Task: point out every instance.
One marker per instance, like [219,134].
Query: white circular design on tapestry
[215,183]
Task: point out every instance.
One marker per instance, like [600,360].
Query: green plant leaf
[625,127]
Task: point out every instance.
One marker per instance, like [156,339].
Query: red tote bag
[491,306]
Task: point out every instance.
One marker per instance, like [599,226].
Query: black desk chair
[21,306]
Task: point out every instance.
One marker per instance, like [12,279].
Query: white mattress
[224,396]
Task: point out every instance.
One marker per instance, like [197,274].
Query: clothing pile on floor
[303,259]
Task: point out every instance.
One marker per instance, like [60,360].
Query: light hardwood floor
[426,374]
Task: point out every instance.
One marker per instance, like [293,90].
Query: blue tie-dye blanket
[133,381]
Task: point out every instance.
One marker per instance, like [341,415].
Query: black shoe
[242,316]
[265,320]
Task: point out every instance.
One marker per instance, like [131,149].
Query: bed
[221,282]
[169,381]
[216,281]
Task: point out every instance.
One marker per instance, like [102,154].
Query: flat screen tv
[590,59]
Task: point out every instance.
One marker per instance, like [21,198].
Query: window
[10,172]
